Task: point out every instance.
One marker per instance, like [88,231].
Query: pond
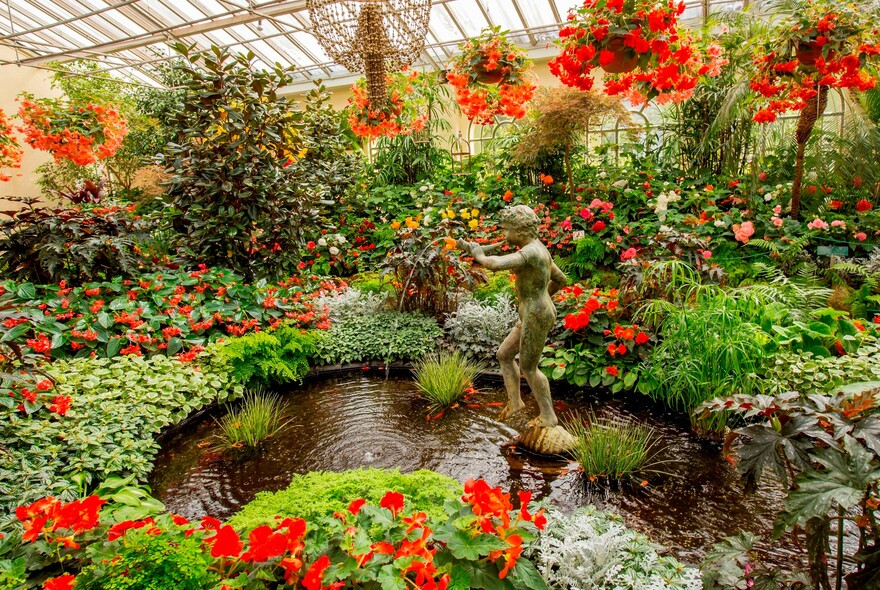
[363,420]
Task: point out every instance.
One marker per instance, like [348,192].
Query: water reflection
[364,421]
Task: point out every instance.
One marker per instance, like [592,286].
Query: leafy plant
[143,560]
[274,357]
[595,550]
[359,300]
[443,379]
[245,428]
[478,329]
[609,448]
[824,449]
[116,407]
[237,164]
[319,494]
[49,244]
[173,313]
[387,336]
[732,564]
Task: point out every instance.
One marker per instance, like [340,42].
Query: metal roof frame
[126,37]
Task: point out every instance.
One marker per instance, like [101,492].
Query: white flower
[720,223]
[768,197]
[603,174]
[322,242]
[334,250]
[340,239]
[423,188]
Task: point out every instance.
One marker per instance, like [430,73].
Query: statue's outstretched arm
[505,262]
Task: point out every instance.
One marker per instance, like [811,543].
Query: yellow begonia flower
[465,214]
[475,212]
[451,214]
[443,214]
[395,225]
[474,223]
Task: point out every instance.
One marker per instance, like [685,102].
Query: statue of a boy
[537,278]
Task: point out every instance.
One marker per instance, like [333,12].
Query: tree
[559,119]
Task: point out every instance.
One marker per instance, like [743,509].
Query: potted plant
[404,112]
[10,151]
[818,45]
[491,77]
[638,42]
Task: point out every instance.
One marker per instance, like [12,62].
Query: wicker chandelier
[371,36]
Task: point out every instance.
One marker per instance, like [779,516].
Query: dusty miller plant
[351,303]
[593,550]
[478,328]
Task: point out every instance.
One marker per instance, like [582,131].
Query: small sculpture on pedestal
[537,278]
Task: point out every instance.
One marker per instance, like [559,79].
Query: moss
[321,493]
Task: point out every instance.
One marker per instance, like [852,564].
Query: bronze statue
[537,278]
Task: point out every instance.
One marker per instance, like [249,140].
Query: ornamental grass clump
[259,417]
[611,448]
[443,379]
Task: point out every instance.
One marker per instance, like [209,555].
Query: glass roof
[127,37]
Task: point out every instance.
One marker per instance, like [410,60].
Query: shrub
[497,283]
[79,244]
[808,373]
[245,159]
[315,495]
[173,313]
[611,448]
[386,337]
[594,550]
[444,378]
[246,427]
[478,329]
[144,561]
[117,406]
[277,356]
[351,303]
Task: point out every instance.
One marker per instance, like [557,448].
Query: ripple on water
[364,421]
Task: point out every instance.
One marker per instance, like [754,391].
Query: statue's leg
[506,356]
[531,349]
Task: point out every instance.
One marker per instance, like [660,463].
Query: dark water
[365,421]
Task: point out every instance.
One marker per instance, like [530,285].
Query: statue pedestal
[541,440]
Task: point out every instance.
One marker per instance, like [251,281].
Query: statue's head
[521,220]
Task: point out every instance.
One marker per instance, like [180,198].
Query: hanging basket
[487,77]
[623,62]
[808,53]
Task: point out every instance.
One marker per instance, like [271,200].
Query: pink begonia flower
[627,254]
[595,203]
[707,254]
[817,224]
[743,232]
[861,236]
[777,209]
[838,223]
[777,221]
[566,223]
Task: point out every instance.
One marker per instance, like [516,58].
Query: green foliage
[316,495]
[144,561]
[497,283]
[444,378]
[274,357]
[611,448]
[371,282]
[246,427]
[808,373]
[732,564]
[249,169]
[388,336]
[118,405]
